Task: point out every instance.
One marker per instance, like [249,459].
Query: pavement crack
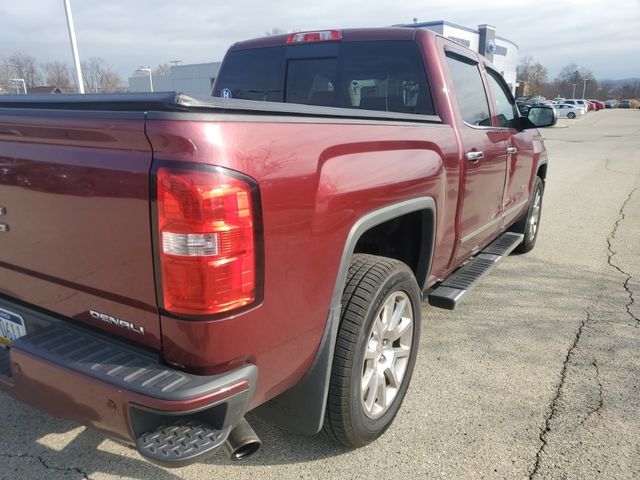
[44,463]
[607,167]
[553,409]
[612,253]
[600,404]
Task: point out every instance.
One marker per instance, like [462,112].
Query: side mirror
[542,116]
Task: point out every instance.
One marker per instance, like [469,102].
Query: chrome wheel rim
[535,215]
[386,356]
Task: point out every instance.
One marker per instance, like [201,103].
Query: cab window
[505,109]
[472,99]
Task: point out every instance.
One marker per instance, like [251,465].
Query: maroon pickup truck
[169,264]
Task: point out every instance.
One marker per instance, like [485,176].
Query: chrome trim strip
[516,207]
[480,230]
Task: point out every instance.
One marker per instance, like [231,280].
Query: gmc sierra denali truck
[169,264]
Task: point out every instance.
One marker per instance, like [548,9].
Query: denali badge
[117,322]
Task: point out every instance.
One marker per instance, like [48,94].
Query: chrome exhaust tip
[242,442]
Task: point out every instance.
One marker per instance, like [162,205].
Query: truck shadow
[76,451]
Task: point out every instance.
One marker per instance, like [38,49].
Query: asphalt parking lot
[535,375]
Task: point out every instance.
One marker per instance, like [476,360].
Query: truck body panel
[76,192]
[312,190]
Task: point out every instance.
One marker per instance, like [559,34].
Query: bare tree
[569,74]
[164,69]
[25,67]
[58,74]
[5,74]
[276,31]
[99,78]
[532,73]
[581,77]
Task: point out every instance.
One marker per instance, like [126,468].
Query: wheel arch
[301,409]
[542,171]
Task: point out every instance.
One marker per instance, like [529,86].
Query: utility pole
[148,70]
[584,86]
[74,45]
[574,90]
[18,81]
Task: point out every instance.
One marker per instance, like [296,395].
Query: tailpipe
[242,442]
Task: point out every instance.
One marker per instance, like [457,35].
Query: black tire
[373,283]
[571,115]
[524,225]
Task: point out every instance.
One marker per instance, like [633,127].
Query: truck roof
[348,34]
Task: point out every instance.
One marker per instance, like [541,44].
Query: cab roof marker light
[312,37]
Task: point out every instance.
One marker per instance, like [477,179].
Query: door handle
[473,157]
[512,150]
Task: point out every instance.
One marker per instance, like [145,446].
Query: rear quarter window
[256,74]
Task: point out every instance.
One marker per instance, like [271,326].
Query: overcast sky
[601,35]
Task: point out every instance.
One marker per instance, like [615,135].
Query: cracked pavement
[536,375]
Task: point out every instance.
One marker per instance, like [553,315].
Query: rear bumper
[124,391]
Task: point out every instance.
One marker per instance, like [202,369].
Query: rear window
[381,75]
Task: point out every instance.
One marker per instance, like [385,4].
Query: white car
[578,103]
[566,110]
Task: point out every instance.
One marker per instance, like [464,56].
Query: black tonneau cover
[179,102]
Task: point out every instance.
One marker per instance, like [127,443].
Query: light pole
[148,70]
[574,90]
[74,46]
[584,86]
[18,81]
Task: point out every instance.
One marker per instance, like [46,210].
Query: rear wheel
[571,115]
[529,224]
[375,350]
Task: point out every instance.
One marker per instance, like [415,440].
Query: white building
[196,80]
[501,52]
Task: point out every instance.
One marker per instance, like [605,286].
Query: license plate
[11,327]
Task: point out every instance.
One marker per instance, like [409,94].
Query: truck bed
[179,102]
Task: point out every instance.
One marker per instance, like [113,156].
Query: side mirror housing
[543,116]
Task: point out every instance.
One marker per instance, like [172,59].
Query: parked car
[624,104]
[566,110]
[610,103]
[523,107]
[258,255]
[578,102]
[599,105]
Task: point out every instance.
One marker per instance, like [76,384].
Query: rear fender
[301,409]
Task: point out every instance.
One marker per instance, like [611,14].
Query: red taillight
[206,241]
[310,37]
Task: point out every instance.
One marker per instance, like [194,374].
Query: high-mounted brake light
[311,37]
[206,241]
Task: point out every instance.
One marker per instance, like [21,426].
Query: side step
[449,293]
[180,443]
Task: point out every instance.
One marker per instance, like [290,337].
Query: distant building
[501,52]
[194,79]
[45,89]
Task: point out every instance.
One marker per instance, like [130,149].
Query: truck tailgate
[74,198]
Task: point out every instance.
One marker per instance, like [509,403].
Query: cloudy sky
[601,35]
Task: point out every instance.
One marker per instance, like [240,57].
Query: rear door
[484,155]
[74,192]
